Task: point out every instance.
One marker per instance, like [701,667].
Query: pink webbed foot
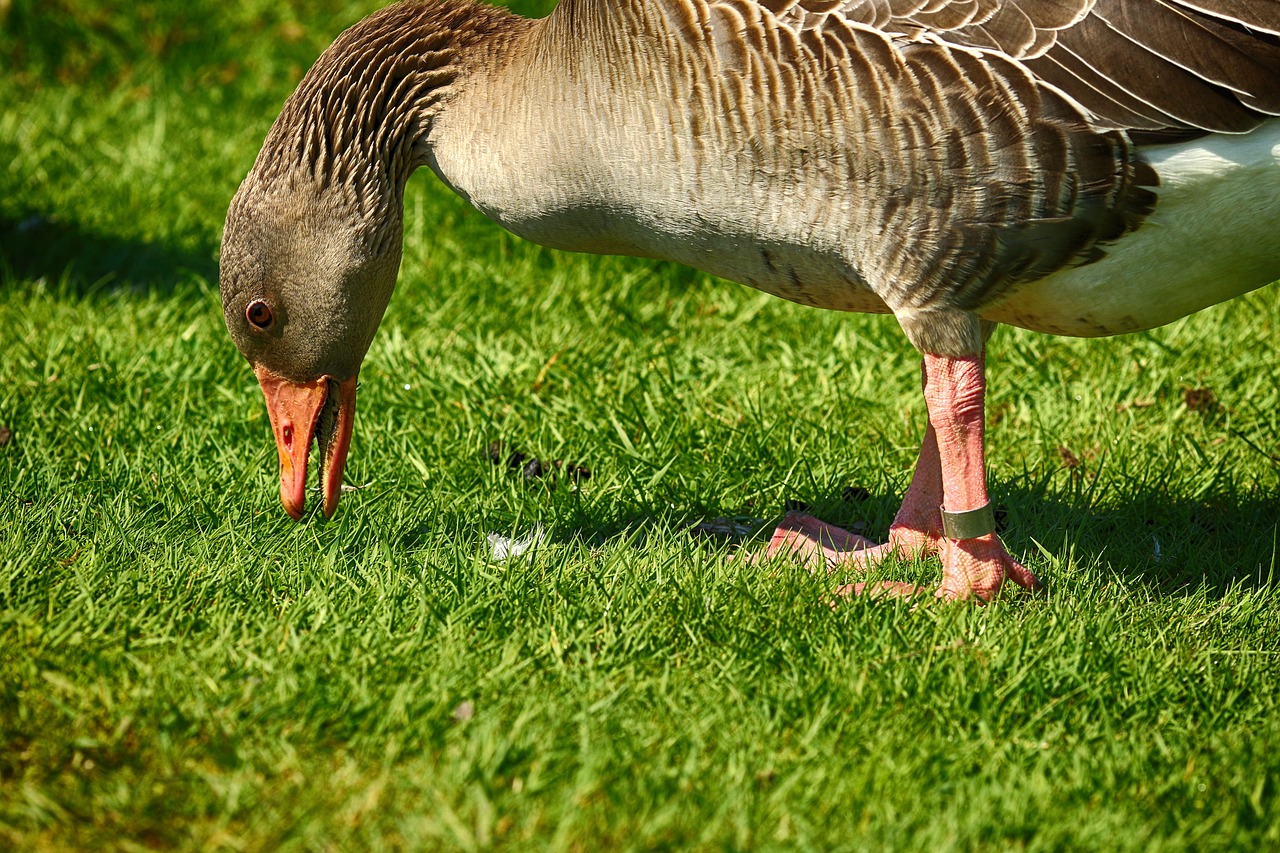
[817,545]
[978,568]
[972,568]
[916,528]
[946,509]
[812,543]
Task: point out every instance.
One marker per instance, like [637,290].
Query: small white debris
[503,548]
[465,711]
[346,487]
[1156,553]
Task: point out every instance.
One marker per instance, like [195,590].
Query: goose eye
[259,314]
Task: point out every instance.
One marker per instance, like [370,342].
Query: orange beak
[323,409]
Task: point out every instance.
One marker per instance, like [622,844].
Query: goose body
[1208,239]
[1076,167]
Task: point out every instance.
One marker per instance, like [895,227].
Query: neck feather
[356,122]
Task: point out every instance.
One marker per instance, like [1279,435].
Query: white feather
[1212,237]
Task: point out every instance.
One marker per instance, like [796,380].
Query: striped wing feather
[1211,65]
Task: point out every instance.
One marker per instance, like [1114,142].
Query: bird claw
[978,568]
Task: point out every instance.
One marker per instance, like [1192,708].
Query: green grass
[181,667]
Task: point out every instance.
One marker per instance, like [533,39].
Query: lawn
[182,667]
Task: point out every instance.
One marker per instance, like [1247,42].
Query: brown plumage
[955,162]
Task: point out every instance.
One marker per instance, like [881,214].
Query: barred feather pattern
[916,156]
[941,173]
[957,147]
[1133,64]
[355,124]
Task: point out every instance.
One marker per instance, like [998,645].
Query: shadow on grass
[1148,539]
[81,262]
[1165,544]
[1173,543]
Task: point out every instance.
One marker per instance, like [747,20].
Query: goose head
[312,243]
[305,281]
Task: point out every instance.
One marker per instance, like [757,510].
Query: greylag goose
[1074,167]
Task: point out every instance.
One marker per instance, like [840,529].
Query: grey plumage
[925,147]
[954,162]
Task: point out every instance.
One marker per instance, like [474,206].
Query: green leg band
[970,524]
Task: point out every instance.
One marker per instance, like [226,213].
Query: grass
[181,667]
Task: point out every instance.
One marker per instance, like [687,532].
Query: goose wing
[1148,65]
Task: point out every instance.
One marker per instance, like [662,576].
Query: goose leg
[916,528]
[918,525]
[950,474]
[972,565]
[974,562]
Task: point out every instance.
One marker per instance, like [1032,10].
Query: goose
[1072,167]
